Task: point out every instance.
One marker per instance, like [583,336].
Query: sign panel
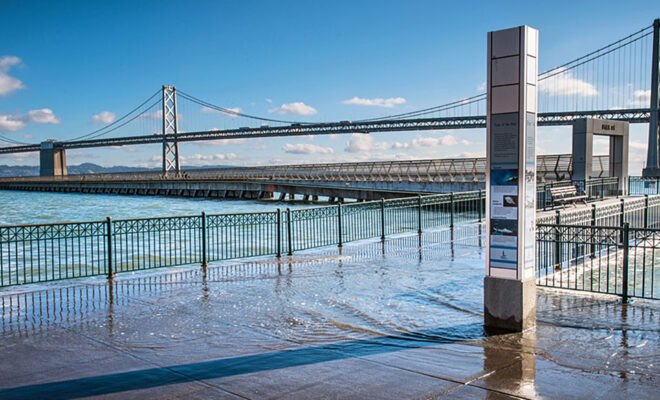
[511,136]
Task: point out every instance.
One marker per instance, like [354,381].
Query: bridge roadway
[544,119]
[363,180]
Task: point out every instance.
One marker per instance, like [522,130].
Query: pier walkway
[393,320]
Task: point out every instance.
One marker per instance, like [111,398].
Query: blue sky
[62,63]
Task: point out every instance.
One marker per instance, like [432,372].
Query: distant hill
[85,168]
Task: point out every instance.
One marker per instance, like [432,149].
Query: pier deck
[396,320]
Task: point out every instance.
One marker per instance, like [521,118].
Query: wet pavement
[396,320]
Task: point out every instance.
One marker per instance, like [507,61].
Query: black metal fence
[638,185]
[49,252]
[617,260]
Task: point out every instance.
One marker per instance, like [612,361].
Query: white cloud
[104,117]
[359,142]
[565,84]
[203,159]
[641,98]
[377,102]
[219,142]
[158,114]
[28,136]
[426,142]
[11,123]
[306,148]
[269,101]
[9,84]
[481,87]
[296,108]
[232,112]
[42,116]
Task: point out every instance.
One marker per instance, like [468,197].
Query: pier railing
[611,247]
[50,252]
[617,260]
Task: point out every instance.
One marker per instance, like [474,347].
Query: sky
[67,68]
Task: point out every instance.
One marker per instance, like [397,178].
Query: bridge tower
[652,168]
[170,131]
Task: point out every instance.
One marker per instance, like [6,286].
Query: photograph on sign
[505,176]
[504,202]
[505,227]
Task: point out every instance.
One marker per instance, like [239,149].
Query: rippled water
[20,207]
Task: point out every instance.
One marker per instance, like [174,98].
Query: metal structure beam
[170,131]
[652,168]
[641,115]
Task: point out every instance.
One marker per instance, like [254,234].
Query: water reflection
[510,363]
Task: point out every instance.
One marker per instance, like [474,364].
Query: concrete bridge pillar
[52,159]
[583,133]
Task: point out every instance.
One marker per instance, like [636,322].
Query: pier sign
[509,286]
[511,152]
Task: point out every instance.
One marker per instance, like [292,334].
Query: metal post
[558,257]
[279,233]
[593,230]
[451,211]
[419,214]
[622,220]
[624,281]
[382,219]
[602,189]
[646,211]
[108,222]
[339,224]
[204,258]
[288,231]
[652,151]
[481,200]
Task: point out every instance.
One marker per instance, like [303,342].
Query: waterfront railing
[610,247]
[49,252]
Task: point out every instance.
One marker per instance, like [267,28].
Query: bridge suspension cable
[232,112]
[122,121]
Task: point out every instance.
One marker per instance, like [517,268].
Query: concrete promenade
[399,320]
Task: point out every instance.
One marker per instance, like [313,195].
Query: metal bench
[561,195]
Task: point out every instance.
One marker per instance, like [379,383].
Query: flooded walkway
[396,320]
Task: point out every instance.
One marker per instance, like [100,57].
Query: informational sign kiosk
[509,286]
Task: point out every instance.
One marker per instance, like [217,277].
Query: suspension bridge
[618,81]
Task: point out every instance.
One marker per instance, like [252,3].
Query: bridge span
[362,180]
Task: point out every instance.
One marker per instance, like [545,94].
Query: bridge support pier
[52,159]
[583,133]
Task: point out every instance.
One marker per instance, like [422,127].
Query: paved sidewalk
[384,321]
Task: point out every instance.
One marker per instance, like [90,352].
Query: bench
[562,195]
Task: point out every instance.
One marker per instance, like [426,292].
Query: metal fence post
[558,255]
[624,280]
[108,222]
[646,211]
[623,212]
[382,219]
[288,231]
[451,210]
[419,214]
[480,205]
[602,189]
[279,233]
[593,230]
[339,224]
[204,258]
